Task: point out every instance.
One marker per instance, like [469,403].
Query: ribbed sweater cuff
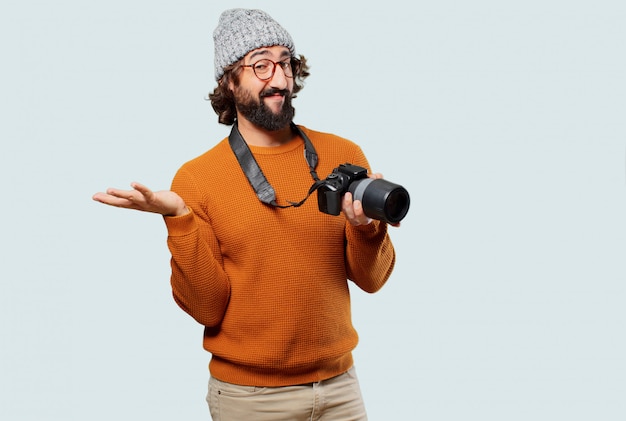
[180,225]
[370,230]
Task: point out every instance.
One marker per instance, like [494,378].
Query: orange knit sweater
[270,285]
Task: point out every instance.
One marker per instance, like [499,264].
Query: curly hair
[223,100]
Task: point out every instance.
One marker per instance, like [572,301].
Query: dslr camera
[381,199]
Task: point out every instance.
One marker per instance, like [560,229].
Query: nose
[279,80]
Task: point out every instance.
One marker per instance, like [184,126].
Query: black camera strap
[263,189]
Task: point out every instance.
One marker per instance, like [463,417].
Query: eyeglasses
[265,69]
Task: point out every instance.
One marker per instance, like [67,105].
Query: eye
[261,66]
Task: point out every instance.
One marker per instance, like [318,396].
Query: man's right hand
[141,198]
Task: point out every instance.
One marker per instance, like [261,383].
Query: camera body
[336,185]
[381,199]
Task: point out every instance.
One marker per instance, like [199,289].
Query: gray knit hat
[240,31]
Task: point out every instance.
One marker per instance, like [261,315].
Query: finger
[357,206]
[145,191]
[122,198]
[98,196]
[125,194]
[347,207]
[359,214]
[112,200]
[376,175]
[140,188]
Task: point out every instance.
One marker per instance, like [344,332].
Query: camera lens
[381,199]
[397,205]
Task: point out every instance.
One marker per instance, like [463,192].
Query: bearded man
[267,276]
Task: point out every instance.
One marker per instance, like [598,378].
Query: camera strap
[263,189]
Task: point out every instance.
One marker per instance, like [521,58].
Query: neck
[257,136]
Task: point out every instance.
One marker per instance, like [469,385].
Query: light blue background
[505,121]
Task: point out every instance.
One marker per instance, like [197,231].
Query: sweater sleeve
[370,256]
[199,284]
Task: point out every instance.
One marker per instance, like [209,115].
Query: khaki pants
[335,399]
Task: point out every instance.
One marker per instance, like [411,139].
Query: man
[267,276]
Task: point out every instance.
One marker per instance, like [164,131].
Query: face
[265,103]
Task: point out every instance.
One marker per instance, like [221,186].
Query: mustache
[275,91]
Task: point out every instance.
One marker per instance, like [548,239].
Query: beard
[259,114]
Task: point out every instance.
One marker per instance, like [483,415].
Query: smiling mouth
[274,93]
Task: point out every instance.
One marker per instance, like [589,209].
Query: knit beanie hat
[240,31]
